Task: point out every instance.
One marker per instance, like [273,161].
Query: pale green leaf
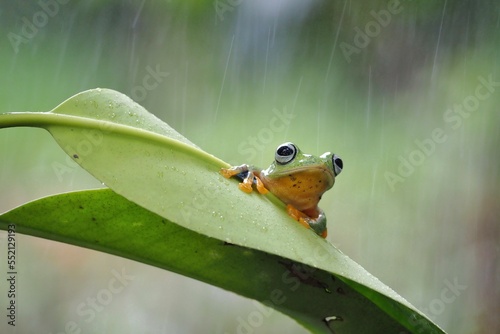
[144,160]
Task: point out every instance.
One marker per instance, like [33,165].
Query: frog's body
[298,179]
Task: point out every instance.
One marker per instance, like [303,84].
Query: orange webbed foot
[260,186]
[247,184]
[230,172]
[297,215]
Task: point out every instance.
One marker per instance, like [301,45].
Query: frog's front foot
[247,175]
[318,224]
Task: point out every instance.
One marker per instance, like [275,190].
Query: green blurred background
[369,80]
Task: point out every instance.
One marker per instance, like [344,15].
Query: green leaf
[147,162]
[105,221]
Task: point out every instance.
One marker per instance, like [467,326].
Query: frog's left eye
[338,165]
[285,153]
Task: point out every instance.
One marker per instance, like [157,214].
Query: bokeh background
[406,92]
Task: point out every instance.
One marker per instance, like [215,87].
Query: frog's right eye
[338,164]
[285,153]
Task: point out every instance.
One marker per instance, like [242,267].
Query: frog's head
[289,157]
[289,160]
[301,179]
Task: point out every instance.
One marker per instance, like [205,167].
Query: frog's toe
[304,222]
[228,172]
[246,187]
[324,234]
[260,186]
[292,212]
[297,215]
[233,171]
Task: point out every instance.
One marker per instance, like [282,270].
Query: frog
[297,179]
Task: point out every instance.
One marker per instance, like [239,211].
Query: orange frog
[297,179]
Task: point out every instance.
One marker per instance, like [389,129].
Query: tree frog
[297,179]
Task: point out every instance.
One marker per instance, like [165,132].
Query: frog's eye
[285,153]
[337,164]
